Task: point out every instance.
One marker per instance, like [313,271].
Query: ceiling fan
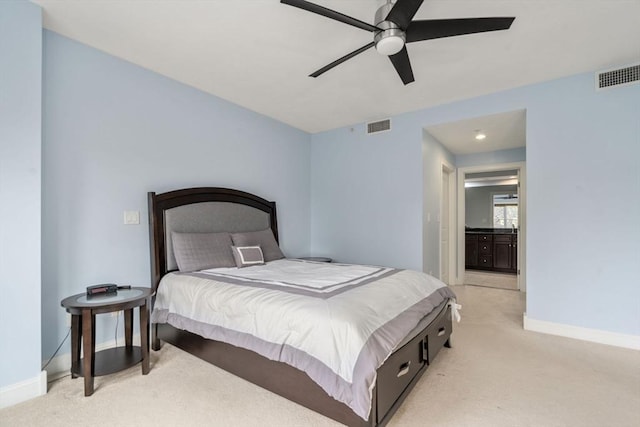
[394,28]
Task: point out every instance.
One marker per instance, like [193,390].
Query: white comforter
[324,319]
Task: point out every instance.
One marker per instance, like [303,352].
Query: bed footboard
[396,377]
[402,370]
[277,377]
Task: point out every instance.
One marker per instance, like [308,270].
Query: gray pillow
[199,251]
[264,239]
[247,256]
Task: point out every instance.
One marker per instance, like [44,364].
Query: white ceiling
[503,131]
[258,53]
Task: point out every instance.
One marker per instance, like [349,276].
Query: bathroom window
[505,210]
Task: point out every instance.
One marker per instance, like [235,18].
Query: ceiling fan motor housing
[391,39]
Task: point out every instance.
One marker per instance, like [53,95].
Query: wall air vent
[621,76]
[379,126]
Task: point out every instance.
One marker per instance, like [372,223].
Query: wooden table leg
[128,328]
[144,335]
[155,341]
[76,336]
[88,349]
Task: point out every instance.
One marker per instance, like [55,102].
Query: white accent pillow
[246,256]
[264,238]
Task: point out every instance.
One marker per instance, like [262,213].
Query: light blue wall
[492,157]
[114,131]
[20,174]
[583,205]
[434,155]
[583,199]
[359,191]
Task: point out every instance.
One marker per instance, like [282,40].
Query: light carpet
[496,374]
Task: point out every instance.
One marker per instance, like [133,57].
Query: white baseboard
[584,334]
[60,366]
[24,390]
[57,368]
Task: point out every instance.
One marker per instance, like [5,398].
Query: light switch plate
[131,217]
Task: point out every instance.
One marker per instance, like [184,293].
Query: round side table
[83,312]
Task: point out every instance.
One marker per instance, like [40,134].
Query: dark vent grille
[381,126]
[618,77]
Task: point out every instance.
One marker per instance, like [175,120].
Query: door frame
[450,170]
[522,221]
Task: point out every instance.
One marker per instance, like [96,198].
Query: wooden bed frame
[392,385]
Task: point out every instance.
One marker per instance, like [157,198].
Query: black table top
[123,296]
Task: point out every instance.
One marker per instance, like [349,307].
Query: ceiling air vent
[621,76]
[380,126]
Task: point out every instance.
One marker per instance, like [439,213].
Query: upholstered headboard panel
[201,210]
[209,217]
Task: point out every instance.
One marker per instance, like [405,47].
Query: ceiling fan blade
[403,12]
[341,60]
[320,10]
[438,28]
[402,65]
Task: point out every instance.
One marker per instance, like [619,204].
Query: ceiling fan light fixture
[390,40]
[390,45]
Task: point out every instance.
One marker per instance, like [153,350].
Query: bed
[366,383]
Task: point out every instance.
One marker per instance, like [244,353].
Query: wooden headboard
[201,210]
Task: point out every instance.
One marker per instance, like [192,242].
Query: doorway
[475,144]
[511,244]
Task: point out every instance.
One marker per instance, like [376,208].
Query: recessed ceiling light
[480,135]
